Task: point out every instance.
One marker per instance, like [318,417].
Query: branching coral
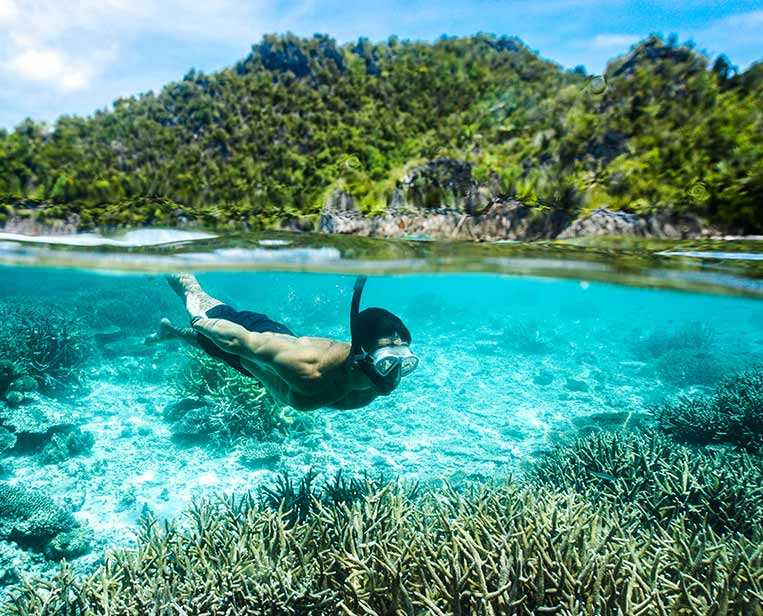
[656,481]
[298,502]
[43,342]
[220,405]
[498,550]
[732,414]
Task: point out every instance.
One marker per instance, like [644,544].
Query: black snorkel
[383,384]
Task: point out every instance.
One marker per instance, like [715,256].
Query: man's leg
[196,301]
[167,331]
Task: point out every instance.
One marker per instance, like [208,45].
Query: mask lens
[386,364]
[409,365]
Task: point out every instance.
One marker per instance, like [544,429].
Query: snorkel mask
[385,366]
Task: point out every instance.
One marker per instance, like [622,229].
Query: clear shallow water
[511,364]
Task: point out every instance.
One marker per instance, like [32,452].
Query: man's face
[392,358]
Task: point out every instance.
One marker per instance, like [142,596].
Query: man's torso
[332,388]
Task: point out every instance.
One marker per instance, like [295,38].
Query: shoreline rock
[440,199]
[512,220]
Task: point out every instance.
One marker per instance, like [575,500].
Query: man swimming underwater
[304,372]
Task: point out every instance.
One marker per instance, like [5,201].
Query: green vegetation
[267,140]
[733,413]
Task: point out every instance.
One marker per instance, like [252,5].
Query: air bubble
[699,192]
[351,162]
[596,84]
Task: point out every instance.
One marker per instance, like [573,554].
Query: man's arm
[293,362]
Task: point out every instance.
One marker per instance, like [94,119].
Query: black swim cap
[372,324]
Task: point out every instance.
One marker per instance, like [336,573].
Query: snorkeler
[304,372]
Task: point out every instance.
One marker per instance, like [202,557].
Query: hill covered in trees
[267,140]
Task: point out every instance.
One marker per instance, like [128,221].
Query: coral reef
[134,309]
[43,342]
[500,550]
[528,337]
[658,481]
[257,454]
[733,413]
[63,446]
[33,520]
[684,356]
[219,406]
[14,561]
[9,372]
[298,502]
[7,440]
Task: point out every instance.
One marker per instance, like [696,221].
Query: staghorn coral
[298,502]
[696,337]
[658,481]
[492,550]
[220,406]
[733,413]
[45,343]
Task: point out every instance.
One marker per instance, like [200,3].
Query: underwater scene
[521,444]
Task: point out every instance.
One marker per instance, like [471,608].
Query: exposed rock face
[662,225]
[441,200]
[440,183]
[500,220]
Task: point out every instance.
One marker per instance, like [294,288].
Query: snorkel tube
[356,352]
[383,384]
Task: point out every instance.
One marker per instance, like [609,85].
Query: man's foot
[197,302]
[166,331]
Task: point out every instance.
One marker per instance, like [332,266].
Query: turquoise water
[510,366]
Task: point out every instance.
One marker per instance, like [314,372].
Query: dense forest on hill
[268,139]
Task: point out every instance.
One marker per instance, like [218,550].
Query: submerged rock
[24,384]
[70,545]
[576,385]
[177,409]
[193,426]
[14,398]
[615,421]
[9,372]
[544,377]
[110,333]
